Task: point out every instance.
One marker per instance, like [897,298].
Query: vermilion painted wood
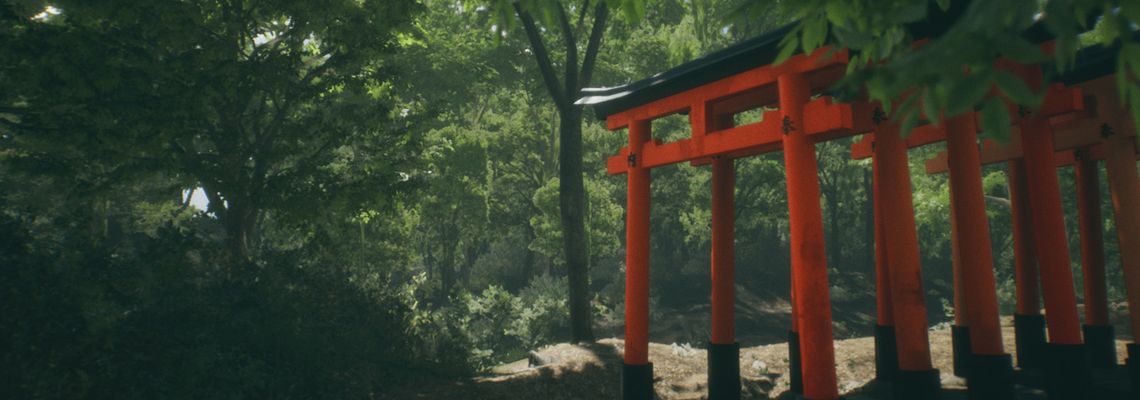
[1067,158]
[973,236]
[1024,256]
[908,298]
[822,67]
[1092,240]
[993,152]
[1124,182]
[808,254]
[961,310]
[828,119]
[847,120]
[1049,232]
[637,253]
[884,309]
[723,296]
[1061,105]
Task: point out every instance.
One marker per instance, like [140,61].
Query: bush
[159,317]
[497,326]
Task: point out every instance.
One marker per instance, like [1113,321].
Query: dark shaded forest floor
[593,371]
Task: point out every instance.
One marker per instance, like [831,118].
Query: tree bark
[572,201]
[572,192]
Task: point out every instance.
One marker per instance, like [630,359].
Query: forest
[337,199]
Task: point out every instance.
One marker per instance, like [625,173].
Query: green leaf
[788,47]
[838,12]
[1131,11]
[634,9]
[906,107]
[1018,49]
[1016,89]
[1109,29]
[814,33]
[968,91]
[944,4]
[930,105]
[995,120]
[1135,104]
[851,38]
[910,120]
[1130,53]
[911,13]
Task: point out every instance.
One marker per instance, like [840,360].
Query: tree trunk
[446,272]
[528,260]
[572,202]
[572,192]
[470,255]
[239,220]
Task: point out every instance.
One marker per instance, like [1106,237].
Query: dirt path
[593,371]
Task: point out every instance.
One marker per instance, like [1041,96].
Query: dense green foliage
[890,68]
[378,189]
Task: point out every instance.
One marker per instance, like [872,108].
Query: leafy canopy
[890,65]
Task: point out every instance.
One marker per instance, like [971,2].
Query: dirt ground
[593,371]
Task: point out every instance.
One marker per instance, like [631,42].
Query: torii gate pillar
[1028,323]
[1066,373]
[637,373]
[916,378]
[723,351]
[1100,339]
[989,373]
[886,344]
[1120,162]
[809,260]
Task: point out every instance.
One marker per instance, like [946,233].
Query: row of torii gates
[1080,123]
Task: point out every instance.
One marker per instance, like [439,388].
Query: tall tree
[556,19]
[275,104]
[572,191]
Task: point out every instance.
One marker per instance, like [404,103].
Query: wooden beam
[820,68]
[828,119]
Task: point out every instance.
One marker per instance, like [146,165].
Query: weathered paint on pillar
[637,251]
[907,294]
[961,311]
[1092,239]
[1024,255]
[809,258]
[884,312]
[1049,232]
[1120,162]
[973,235]
[723,184]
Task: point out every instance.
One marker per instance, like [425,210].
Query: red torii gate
[1080,143]
[797,124]
[709,106]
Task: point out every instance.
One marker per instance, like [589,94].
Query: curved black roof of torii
[762,50]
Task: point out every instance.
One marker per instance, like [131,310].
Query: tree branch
[571,43]
[601,14]
[545,66]
[582,14]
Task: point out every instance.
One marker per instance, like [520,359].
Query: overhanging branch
[545,66]
[601,15]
